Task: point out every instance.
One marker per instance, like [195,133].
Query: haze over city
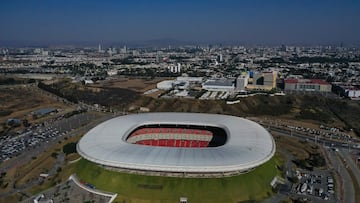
[244,22]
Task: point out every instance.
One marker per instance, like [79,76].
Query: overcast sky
[244,21]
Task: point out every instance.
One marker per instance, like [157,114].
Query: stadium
[178,144]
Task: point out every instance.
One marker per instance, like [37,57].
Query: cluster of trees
[320,59]
[314,113]
[3,184]
[69,114]
[69,148]
[128,60]
[57,92]
[314,160]
[14,81]
[148,72]
[179,58]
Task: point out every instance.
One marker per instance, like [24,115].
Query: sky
[197,21]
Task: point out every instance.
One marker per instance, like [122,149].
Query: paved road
[348,187]
[345,155]
[349,190]
[355,169]
[310,137]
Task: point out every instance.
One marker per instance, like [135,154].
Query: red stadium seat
[171,143]
[191,142]
[162,143]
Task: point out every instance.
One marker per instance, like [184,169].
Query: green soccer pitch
[254,185]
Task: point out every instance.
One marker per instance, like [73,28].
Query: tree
[69,148]
[54,155]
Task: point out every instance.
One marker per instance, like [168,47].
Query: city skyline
[243,22]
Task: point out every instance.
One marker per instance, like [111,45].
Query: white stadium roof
[248,145]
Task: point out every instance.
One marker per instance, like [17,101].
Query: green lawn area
[132,188]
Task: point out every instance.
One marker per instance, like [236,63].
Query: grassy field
[33,170]
[138,188]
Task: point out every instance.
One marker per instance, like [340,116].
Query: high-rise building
[264,80]
[178,67]
[242,81]
[123,50]
[270,79]
[220,58]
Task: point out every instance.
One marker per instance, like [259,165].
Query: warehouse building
[315,85]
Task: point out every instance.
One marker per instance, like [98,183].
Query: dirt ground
[138,85]
[19,102]
[34,169]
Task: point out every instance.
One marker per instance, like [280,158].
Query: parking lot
[35,136]
[316,186]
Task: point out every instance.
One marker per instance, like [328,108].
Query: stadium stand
[171,137]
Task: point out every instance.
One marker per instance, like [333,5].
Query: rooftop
[306,81]
[219,82]
[248,145]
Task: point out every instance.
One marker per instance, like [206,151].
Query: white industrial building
[190,79]
[165,85]
[112,72]
[307,85]
[226,85]
[353,93]
[242,82]
[347,90]
[175,68]
[180,83]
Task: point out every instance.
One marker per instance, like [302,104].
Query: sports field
[145,189]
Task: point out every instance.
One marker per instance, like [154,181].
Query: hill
[343,114]
[340,113]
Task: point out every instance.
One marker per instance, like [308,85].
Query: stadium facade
[178,144]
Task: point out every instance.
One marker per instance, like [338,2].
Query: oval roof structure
[248,145]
